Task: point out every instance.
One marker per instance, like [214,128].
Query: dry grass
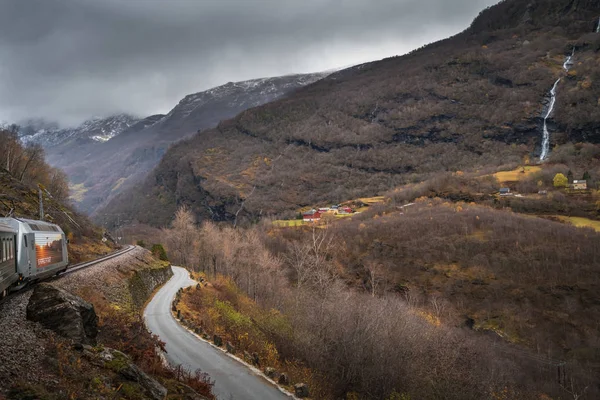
[290,223]
[581,222]
[373,200]
[516,174]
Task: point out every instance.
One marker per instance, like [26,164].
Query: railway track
[70,270]
[83,265]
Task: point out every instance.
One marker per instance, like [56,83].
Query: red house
[311,216]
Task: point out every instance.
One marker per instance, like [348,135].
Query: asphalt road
[233,380]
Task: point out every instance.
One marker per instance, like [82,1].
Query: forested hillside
[472,101]
[23,175]
[438,300]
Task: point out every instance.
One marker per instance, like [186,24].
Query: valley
[425,226]
[104,156]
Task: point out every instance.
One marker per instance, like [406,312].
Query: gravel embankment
[107,277]
[23,343]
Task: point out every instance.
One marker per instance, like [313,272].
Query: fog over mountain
[69,60]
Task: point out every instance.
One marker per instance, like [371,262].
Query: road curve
[233,380]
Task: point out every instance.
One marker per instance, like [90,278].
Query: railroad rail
[83,265]
[70,270]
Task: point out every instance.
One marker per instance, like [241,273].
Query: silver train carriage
[41,248]
[8,258]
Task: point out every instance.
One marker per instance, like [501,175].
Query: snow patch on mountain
[97,129]
[245,94]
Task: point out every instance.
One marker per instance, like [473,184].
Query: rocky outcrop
[122,364]
[66,314]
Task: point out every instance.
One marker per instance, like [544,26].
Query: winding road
[233,380]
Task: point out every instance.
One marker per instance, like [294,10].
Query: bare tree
[182,239]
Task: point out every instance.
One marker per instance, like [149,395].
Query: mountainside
[475,100]
[23,173]
[96,129]
[99,168]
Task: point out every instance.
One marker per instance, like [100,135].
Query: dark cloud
[70,59]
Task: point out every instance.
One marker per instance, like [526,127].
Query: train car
[41,248]
[8,259]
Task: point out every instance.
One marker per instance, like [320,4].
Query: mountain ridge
[100,169]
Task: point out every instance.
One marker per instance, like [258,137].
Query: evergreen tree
[570,176]
[586,176]
[159,251]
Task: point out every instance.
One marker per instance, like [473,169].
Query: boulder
[270,372]
[218,341]
[66,314]
[230,347]
[284,379]
[301,390]
[255,359]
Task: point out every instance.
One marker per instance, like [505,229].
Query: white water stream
[546,135]
[598,27]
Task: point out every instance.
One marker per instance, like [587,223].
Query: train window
[25,240]
[4,250]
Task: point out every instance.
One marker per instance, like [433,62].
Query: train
[30,250]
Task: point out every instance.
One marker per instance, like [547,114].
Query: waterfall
[546,136]
[569,61]
[598,27]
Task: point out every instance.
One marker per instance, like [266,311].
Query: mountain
[103,157]
[205,109]
[472,101]
[49,134]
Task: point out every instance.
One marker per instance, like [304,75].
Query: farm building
[311,216]
[504,191]
[579,185]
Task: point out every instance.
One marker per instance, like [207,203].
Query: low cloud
[68,60]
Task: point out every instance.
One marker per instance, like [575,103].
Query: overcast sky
[68,60]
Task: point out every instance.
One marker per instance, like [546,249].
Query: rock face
[143,283]
[66,314]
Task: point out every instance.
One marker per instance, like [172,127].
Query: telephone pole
[41,203]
